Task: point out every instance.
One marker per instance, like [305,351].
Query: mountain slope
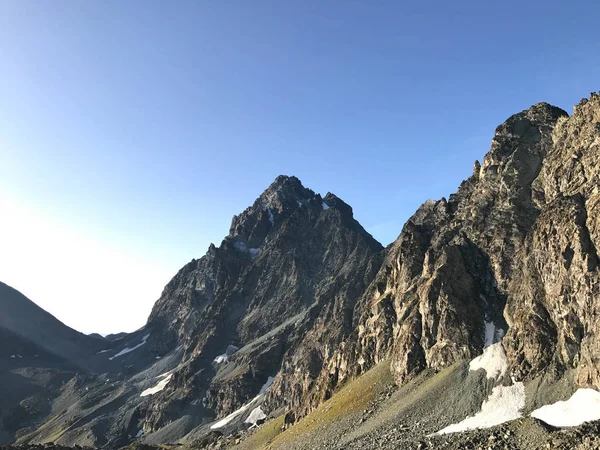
[513,251]
[267,306]
[21,316]
[38,353]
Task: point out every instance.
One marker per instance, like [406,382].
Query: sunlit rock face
[442,290]
[553,309]
[513,250]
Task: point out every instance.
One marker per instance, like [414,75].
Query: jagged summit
[279,200]
[282,199]
[286,183]
[287,192]
[284,192]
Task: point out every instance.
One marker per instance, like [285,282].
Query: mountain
[278,293]
[442,292]
[37,354]
[22,317]
[513,251]
[482,314]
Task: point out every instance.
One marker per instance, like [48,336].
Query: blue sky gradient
[142,126]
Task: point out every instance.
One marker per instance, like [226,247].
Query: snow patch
[271,218]
[221,358]
[221,423]
[266,386]
[255,416]
[492,360]
[103,351]
[129,350]
[224,421]
[325,206]
[139,433]
[13,356]
[254,252]
[490,331]
[299,202]
[231,349]
[583,406]
[159,387]
[504,403]
[492,334]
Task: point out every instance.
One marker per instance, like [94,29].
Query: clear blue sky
[132,131]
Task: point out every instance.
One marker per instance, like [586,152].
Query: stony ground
[523,434]
[408,418]
[371,413]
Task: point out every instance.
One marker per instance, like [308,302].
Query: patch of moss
[263,436]
[352,397]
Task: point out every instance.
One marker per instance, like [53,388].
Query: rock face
[553,311]
[514,250]
[279,290]
[440,294]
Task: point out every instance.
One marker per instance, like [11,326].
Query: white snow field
[255,416]
[159,387]
[583,406]
[492,360]
[129,350]
[224,421]
[504,403]
[230,350]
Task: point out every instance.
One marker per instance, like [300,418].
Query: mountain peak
[285,192]
[283,180]
[539,115]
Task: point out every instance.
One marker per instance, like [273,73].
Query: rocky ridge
[441,292]
[279,290]
[512,251]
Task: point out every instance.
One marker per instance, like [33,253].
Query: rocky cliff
[273,300]
[513,251]
[553,308]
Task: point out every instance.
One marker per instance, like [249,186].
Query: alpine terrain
[478,327]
